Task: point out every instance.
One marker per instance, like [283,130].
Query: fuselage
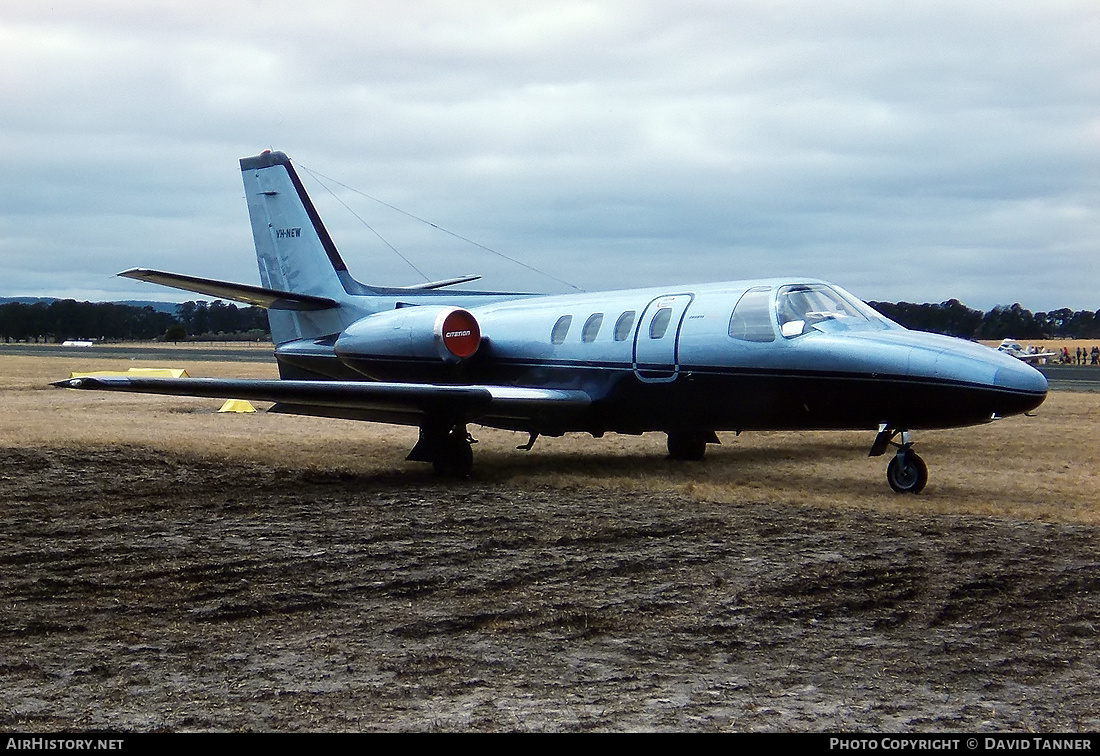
[749,355]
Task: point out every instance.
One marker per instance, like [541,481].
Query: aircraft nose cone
[999,385]
[1018,376]
[1023,388]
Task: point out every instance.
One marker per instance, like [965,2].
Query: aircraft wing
[1029,357]
[366,400]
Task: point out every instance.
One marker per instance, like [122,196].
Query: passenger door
[657,337]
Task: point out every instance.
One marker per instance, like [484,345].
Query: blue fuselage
[728,356]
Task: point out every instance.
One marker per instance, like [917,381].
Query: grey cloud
[907,150]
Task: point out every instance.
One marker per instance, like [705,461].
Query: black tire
[691,447]
[454,458]
[907,473]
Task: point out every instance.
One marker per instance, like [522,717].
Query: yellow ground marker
[133,373]
[237,405]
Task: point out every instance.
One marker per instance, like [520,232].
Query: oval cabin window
[624,325]
[659,324]
[561,329]
[592,328]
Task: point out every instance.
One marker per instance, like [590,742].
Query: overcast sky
[915,151]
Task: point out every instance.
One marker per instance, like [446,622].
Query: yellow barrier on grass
[133,373]
[237,405]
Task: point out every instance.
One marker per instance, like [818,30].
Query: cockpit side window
[752,317]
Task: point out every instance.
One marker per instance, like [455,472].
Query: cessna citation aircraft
[683,360]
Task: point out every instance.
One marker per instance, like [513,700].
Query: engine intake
[459,333]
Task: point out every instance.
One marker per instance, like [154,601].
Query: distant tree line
[65,319]
[217,317]
[956,319]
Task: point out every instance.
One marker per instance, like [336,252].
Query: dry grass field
[167,567]
[1045,467]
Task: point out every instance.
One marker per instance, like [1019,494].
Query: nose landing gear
[907,472]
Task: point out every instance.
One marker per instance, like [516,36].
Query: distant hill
[27,300]
[168,307]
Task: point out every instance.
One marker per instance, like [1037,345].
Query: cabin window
[591,328]
[561,329]
[752,317]
[624,325]
[659,324]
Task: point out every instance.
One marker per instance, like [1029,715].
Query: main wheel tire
[691,447]
[455,458]
[907,473]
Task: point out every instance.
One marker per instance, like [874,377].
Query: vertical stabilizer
[293,248]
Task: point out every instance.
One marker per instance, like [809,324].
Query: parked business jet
[687,361]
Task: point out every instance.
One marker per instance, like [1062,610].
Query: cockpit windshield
[805,307]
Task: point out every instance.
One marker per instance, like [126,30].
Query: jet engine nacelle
[449,334]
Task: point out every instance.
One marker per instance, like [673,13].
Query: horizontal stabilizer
[414,398]
[441,284]
[258,296]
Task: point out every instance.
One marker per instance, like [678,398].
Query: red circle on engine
[461,334]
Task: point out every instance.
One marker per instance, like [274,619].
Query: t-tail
[294,250]
[306,287]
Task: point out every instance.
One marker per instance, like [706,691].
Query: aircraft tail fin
[294,251]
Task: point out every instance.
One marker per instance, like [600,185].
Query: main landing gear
[690,445]
[906,472]
[447,447]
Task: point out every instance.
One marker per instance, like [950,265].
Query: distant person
[1095,356]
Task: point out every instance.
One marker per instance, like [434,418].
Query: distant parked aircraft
[1030,355]
[771,354]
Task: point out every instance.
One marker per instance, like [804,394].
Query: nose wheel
[907,472]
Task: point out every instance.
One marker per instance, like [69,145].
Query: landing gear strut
[690,445]
[906,472]
[447,447]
